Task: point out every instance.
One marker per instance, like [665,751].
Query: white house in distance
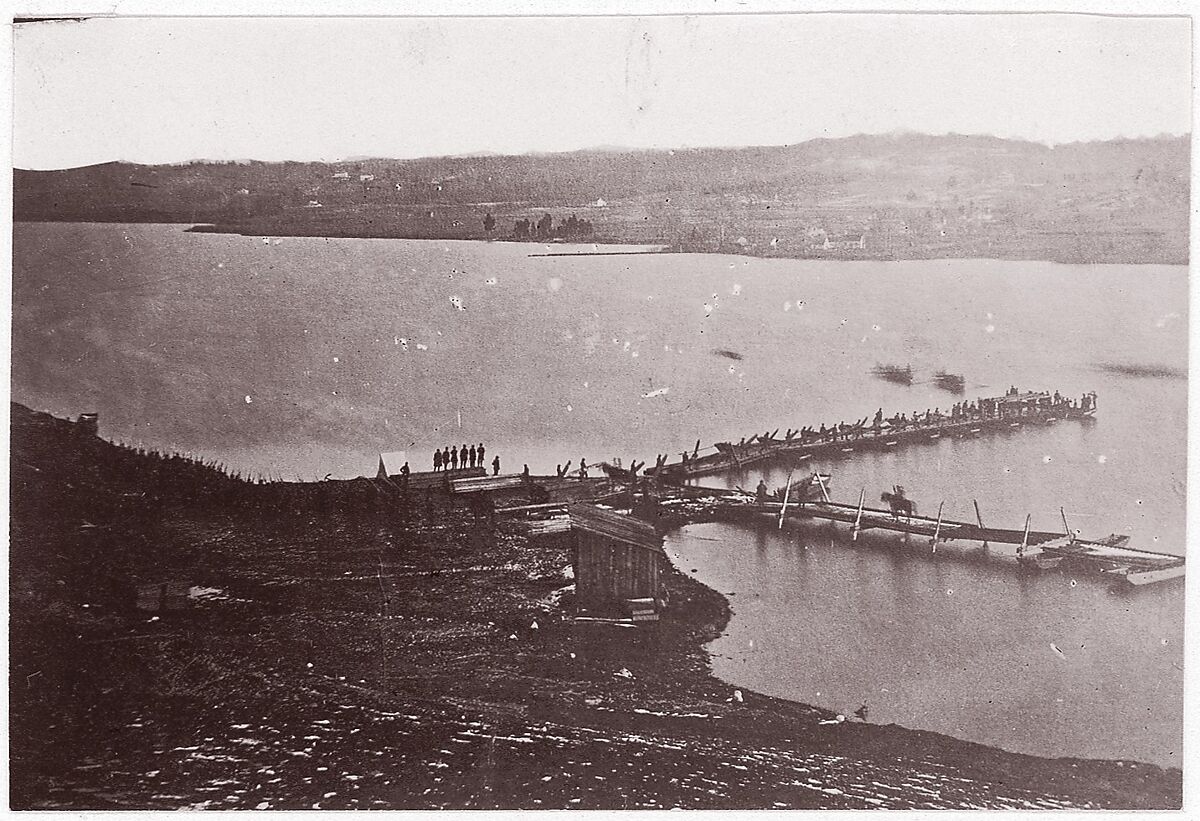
[845,242]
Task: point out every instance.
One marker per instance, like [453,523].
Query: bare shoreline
[305,571]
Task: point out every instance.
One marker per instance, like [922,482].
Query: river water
[298,358]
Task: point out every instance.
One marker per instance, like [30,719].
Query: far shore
[657,247]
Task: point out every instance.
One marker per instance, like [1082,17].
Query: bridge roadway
[692,503]
[1039,542]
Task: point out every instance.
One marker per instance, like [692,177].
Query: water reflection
[962,641]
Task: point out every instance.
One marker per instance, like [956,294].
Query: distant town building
[845,242]
[600,203]
[314,204]
[366,177]
[341,175]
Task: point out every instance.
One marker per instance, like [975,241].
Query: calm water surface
[299,358]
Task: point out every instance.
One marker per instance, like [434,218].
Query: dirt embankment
[339,646]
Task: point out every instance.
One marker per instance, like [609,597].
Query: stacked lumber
[641,609]
[543,527]
[482,484]
[613,525]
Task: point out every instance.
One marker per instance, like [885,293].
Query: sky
[157,90]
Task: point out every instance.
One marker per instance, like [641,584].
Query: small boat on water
[950,382]
[894,373]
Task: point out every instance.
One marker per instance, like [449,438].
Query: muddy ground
[392,653]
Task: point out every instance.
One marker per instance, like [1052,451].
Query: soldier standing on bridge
[404,471]
[454,457]
[481,462]
[471,456]
[437,461]
[496,467]
[760,492]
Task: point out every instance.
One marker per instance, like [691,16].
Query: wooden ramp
[435,479]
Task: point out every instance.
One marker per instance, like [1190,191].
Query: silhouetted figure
[524,472]
[861,712]
[481,452]
[445,458]
[582,469]
[496,467]
[404,471]
[462,456]
[437,461]
[454,457]
[760,492]
[472,455]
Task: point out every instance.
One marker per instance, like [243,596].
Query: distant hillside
[896,196]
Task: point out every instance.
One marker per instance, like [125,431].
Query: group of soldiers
[468,456]
[963,411]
